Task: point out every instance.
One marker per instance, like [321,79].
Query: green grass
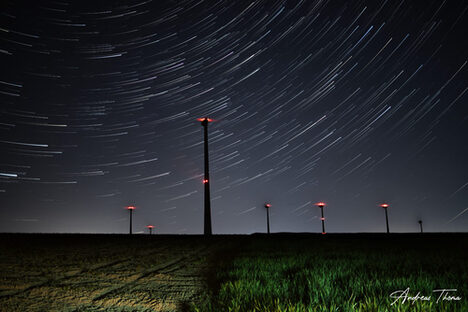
[340,273]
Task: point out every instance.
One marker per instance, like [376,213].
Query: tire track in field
[164,268]
[74,273]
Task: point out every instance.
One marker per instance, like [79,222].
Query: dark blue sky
[353,103]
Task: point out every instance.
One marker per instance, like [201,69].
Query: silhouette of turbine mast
[130,209]
[150,227]
[267,206]
[321,205]
[385,206]
[206,180]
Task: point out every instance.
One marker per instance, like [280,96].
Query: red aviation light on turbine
[130,207]
[205,181]
[267,205]
[150,228]
[321,204]
[205,118]
[384,205]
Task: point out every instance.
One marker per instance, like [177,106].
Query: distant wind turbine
[268,206]
[130,209]
[150,227]
[321,205]
[385,206]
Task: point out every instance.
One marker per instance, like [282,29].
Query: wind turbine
[385,206]
[206,180]
[130,209]
[420,225]
[321,205]
[267,206]
[150,227]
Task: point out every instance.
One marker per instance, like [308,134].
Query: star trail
[352,103]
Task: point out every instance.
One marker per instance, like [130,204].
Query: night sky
[353,103]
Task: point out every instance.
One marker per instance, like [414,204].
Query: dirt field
[102,272]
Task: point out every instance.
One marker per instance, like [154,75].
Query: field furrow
[148,274]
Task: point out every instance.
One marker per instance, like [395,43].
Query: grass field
[341,273]
[281,272]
